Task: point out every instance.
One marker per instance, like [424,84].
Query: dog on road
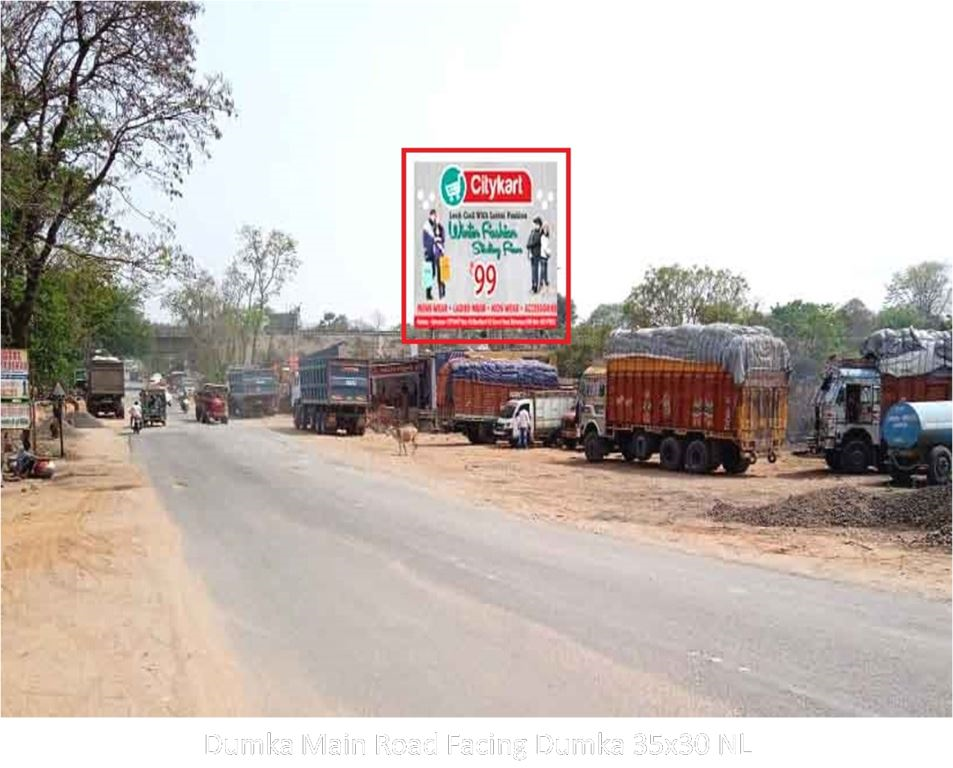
[403,435]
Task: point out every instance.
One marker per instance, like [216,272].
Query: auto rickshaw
[153,401]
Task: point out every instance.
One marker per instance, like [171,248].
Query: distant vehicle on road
[545,408]
[211,404]
[331,394]
[252,392]
[919,440]
[154,402]
[105,386]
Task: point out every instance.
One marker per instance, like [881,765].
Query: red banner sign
[491,186]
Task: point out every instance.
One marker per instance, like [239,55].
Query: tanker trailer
[918,440]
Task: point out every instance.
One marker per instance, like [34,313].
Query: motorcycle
[40,468]
[184,404]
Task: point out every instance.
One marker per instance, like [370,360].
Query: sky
[804,145]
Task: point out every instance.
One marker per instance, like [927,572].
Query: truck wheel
[714,456]
[833,459]
[628,448]
[855,457]
[696,457]
[670,453]
[595,452]
[644,446]
[938,471]
[732,460]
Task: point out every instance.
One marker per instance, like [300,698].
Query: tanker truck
[918,439]
[854,394]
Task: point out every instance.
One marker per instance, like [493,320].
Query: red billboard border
[567,339]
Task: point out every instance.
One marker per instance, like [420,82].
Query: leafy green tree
[859,322]
[813,332]
[94,95]
[607,315]
[675,295]
[925,288]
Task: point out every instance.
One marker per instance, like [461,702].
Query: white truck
[546,409]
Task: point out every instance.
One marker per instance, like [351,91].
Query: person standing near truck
[523,424]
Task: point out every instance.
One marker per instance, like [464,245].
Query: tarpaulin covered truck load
[331,394]
[105,386]
[701,396]
[471,392]
[905,364]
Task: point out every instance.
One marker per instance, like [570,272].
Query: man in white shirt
[523,423]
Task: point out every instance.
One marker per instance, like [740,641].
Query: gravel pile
[926,508]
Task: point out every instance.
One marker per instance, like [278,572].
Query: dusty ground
[100,615]
[648,503]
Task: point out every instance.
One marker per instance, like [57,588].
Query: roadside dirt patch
[100,614]
[647,503]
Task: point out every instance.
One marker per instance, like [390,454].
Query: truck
[331,394]
[919,439]
[700,396]
[252,392]
[211,403]
[546,409]
[895,365]
[590,404]
[472,391]
[105,386]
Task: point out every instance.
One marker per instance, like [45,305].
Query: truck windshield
[506,412]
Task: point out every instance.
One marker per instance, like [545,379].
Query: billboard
[484,240]
[15,410]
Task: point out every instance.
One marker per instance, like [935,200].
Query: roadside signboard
[485,241]
[15,410]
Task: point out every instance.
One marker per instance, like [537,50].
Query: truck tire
[855,458]
[628,448]
[644,445]
[938,470]
[670,453]
[595,451]
[732,460]
[833,459]
[696,457]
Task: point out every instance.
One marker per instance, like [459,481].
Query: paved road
[351,593]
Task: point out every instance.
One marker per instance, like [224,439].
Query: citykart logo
[484,186]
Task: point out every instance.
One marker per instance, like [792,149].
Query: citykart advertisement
[484,242]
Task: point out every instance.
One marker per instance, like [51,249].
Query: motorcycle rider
[135,414]
[25,458]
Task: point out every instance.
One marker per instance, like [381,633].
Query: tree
[608,315]
[675,295]
[588,344]
[378,320]
[334,322]
[924,287]
[266,263]
[858,321]
[812,332]
[94,95]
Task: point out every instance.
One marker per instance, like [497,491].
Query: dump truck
[919,439]
[895,365]
[700,396]
[546,409]
[331,394]
[252,392]
[105,386]
[471,392]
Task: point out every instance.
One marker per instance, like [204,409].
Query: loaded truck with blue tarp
[472,392]
[919,439]
[252,392]
[906,364]
[331,394]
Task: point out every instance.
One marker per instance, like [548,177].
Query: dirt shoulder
[100,614]
[647,503]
